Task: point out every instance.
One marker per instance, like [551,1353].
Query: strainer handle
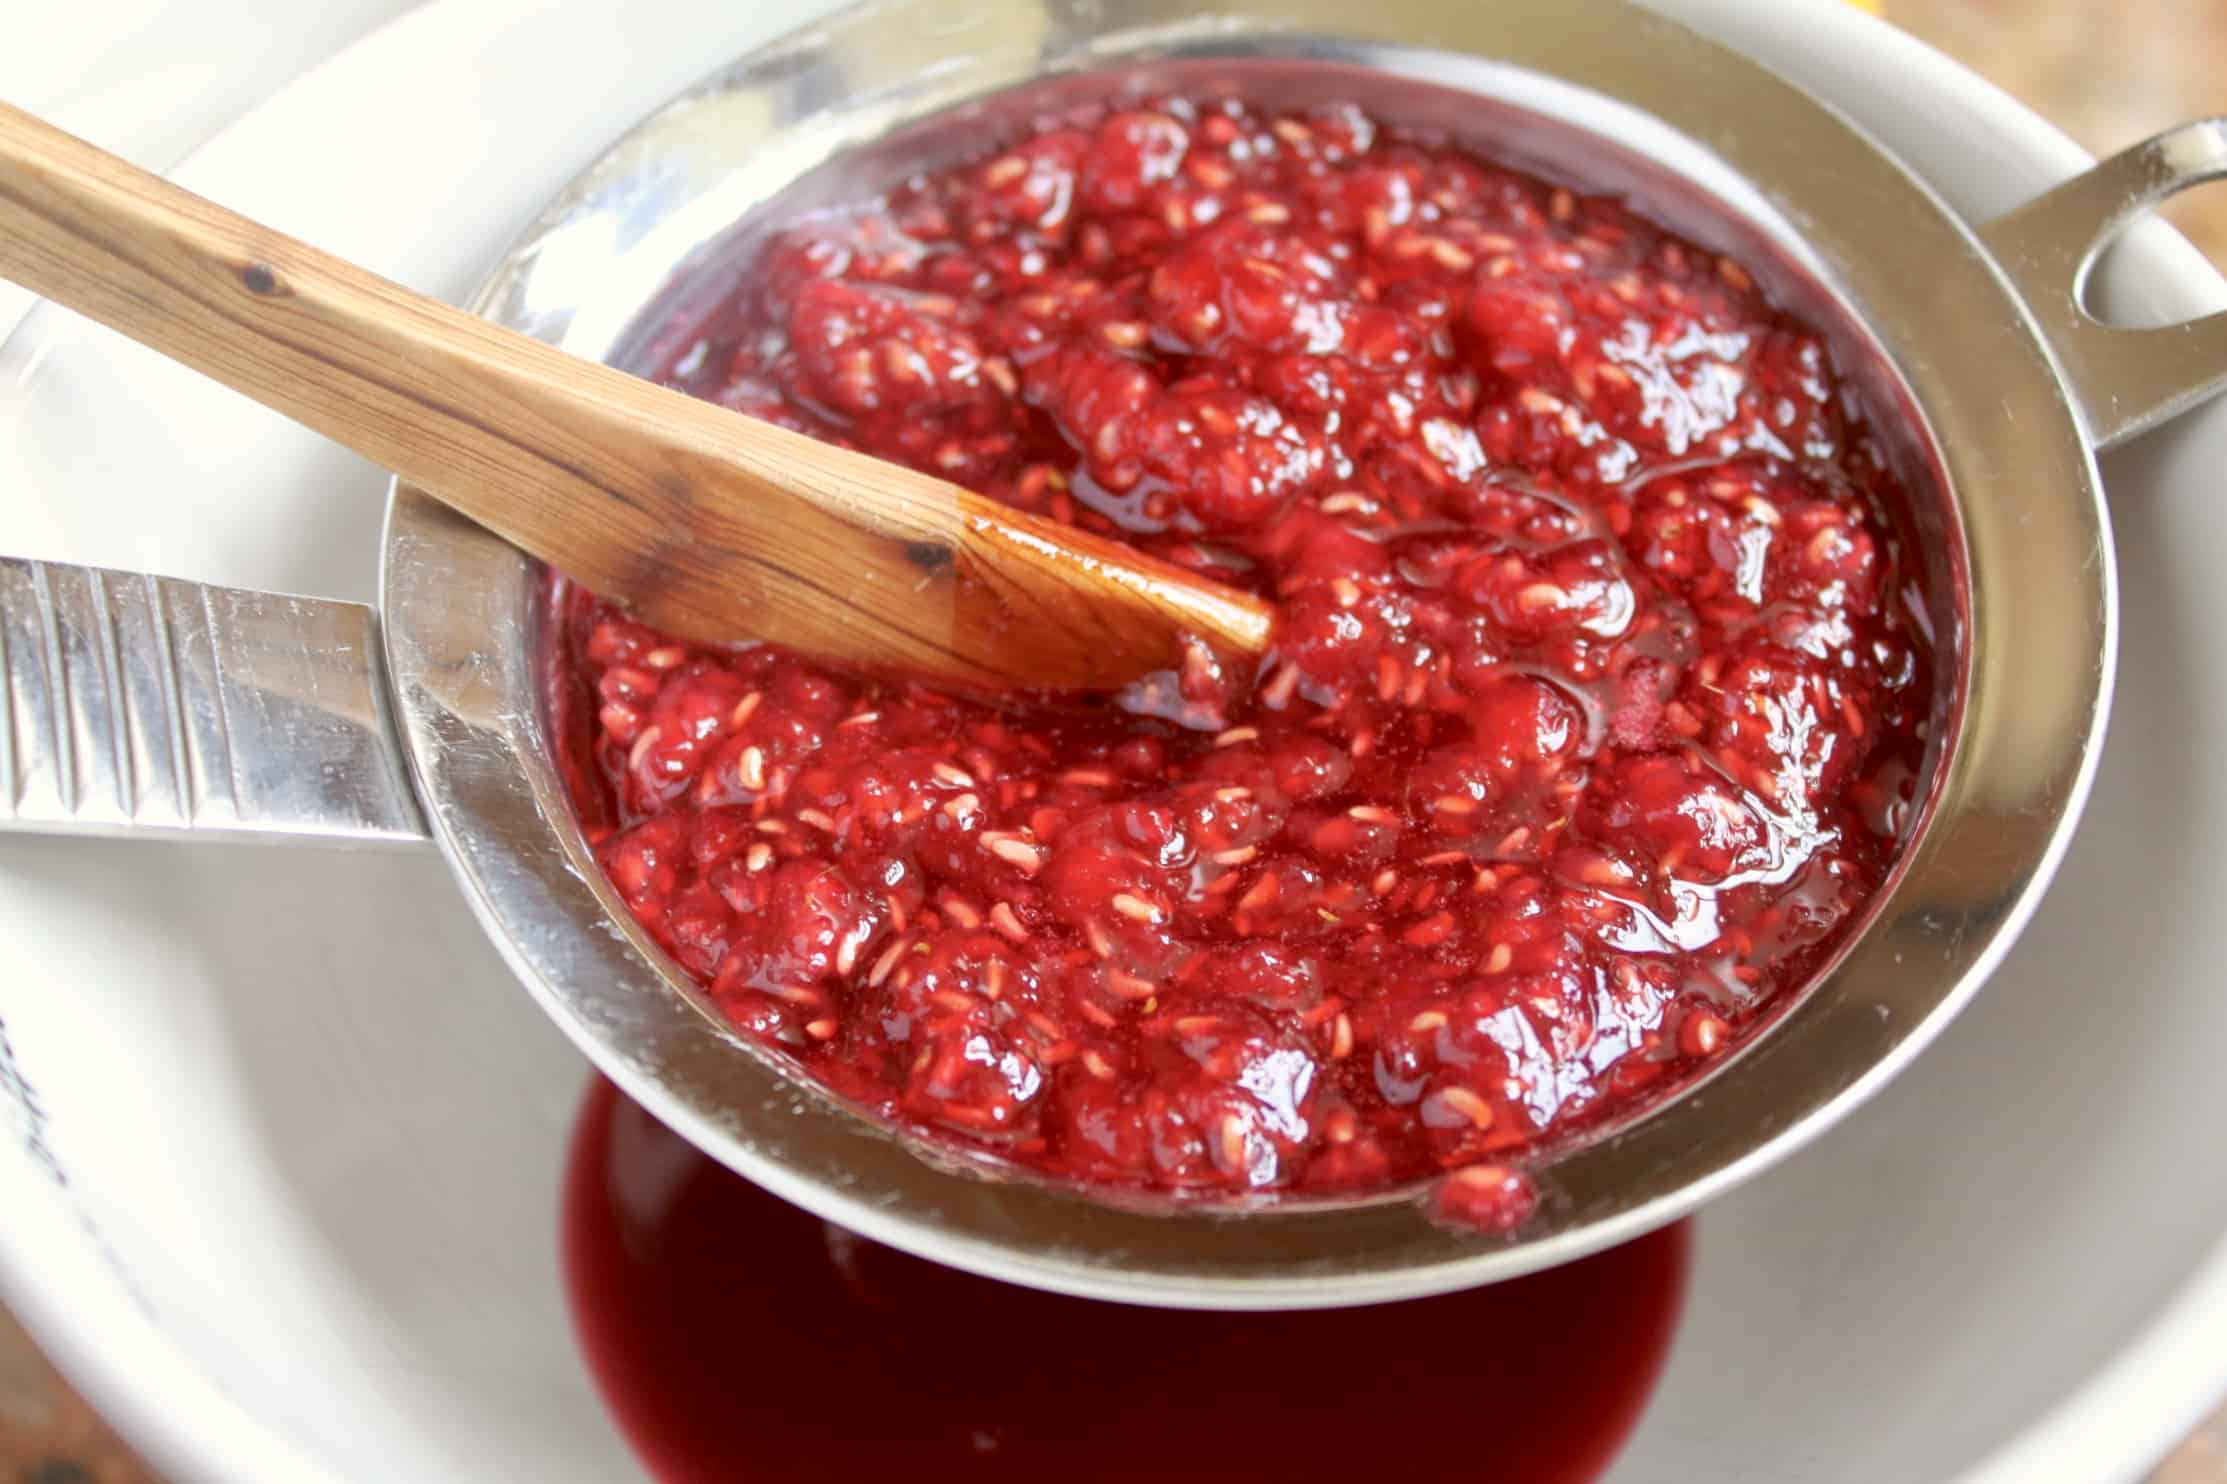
[146,705]
[2124,380]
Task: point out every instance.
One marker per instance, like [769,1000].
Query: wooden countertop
[2108,71]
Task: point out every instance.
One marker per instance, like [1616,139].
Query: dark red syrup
[737,1338]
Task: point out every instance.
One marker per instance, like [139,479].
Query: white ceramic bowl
[281,1193]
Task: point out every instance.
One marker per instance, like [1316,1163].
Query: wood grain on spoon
[709,524]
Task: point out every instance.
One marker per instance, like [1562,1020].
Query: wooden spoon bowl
[704,522]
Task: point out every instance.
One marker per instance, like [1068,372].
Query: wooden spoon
[706,523]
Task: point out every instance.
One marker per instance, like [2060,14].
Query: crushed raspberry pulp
[1595,708]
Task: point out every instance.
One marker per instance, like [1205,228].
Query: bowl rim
[1955,331]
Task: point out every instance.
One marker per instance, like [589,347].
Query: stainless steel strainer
[139,705]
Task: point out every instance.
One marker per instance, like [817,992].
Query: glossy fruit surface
[1594,713]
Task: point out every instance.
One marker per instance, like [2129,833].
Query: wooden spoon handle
[707,523]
